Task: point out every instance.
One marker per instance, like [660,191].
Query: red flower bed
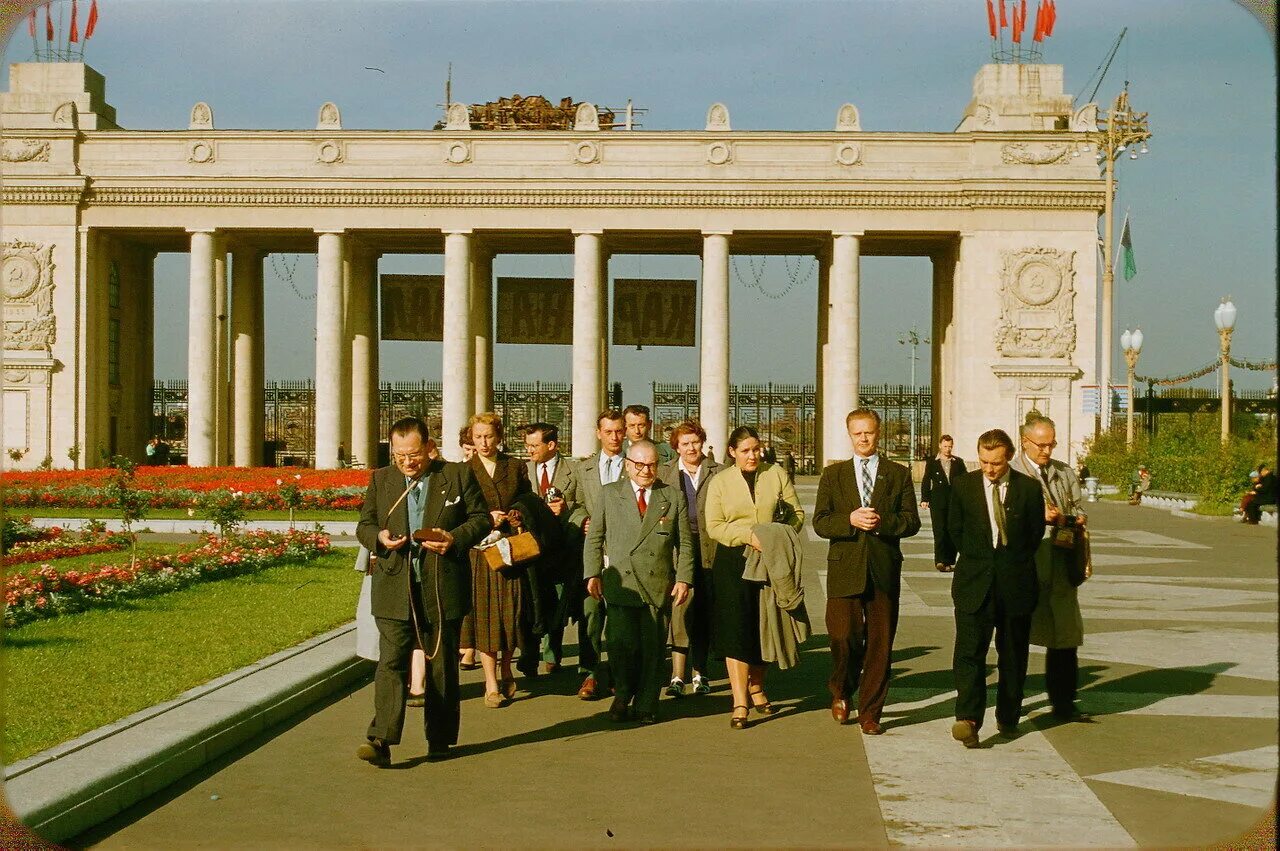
[64,544]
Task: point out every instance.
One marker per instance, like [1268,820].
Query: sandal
[494,700]
[765,708]
[736,721]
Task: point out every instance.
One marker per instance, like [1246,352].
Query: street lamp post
[1124,129]
[1224,316]
[913,339]
[1131,343]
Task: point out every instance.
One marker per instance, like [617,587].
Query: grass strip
[69,675]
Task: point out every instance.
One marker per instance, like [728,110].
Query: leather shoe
[550,667]
[840,711]
[437,753]
[871,728]
[618,711]
[1009,731]
[588,690]
[965,732]
[416,700]
[1074,716]
[375,752]
[647,717]
[943,567]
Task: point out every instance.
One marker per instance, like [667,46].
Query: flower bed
[56,543]
[180,487]
[46,592]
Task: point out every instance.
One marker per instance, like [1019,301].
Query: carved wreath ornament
[1037,297]
[27,275]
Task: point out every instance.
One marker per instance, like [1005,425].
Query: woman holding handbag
[738,498]
[492,628]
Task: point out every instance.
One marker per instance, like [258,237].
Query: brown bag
[514,549]
[1081,565]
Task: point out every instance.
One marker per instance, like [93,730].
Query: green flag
[1126,245]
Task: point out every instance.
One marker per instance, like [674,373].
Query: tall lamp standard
[1131,343]
[1124,129]
[1224,316]
[912,339]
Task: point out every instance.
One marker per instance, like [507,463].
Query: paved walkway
[1179,668]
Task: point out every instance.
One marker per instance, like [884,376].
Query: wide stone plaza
[1178,669]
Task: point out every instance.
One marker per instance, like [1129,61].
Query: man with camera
[1056,623]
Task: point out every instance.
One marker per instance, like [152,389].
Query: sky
[1202,203]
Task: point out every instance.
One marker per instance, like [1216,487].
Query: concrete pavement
[1179,668]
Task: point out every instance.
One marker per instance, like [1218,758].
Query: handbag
[1080,567]
[514,549]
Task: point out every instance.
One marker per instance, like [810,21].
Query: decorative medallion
[847,118]
[201,117]
[1037,297]
[330,152]
[27,275]
[719,153]
[201,152]
[1035,154]
[586,118]
[848,153]
[718,117]
[458,153]
[65,115]
[24,151]
[586,153]
[330,118]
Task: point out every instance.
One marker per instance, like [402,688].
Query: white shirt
[873,466]
[549,467]
[694,476]
[991,509]
[610,468]
[637,490]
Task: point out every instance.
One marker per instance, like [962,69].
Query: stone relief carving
[1037,299]
[24,151]
[586,118]
[1026,153]
[201,117]
[330,152]
[201,152]
[718,117]
[457,117]
[458,153]
[848,153]
[27,276]
[330,117]
[65,115]
[847,118]
[719,153]
[1085,119]
[586,153]
[985,115]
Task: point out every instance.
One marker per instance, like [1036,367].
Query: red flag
[1022,16]
[1017,26]
[1051,18]
[1040,13]
[31,23]
[75,29]
[92,23]
[1004,22]
[991,18]
[48,23]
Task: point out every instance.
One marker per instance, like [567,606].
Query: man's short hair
[862,414]
[637,411]
[687,427]
[613,415]
[641,444]
[407,426]
[1034,422]
[994,438]
[548,432]
[946,437]
[464,436]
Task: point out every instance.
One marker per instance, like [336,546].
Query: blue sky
[1203,202]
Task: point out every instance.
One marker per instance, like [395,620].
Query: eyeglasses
[1041,446]
[406,458]
[640,465]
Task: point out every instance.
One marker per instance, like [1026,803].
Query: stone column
[588,378]
[246,304]
[941,371]
[363,326]
[93,386]
[201,352]
[482,326]
[714,349]
[221,355]
[348,343]
[605,337]
[259,363]
[329,340]
[459,361]
[822,353]
[841,377]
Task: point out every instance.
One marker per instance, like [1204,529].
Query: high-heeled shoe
[736,721]
[765,708]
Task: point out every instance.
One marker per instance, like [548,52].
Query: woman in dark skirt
[492,628]
[738,499]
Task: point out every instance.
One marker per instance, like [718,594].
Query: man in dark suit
[638,557]
[420,591]
[996,518]
[939,473]
[864,507]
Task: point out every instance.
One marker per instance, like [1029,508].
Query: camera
[553,493]
[1068,520]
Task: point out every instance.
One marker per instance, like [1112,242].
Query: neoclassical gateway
[1005,207]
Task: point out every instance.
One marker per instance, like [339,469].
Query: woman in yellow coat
[738,498]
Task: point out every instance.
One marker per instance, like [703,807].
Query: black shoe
[1073,715]
[416,700]
[375,752]
[618,711]
[647,718]
[437,753]
[1009,731]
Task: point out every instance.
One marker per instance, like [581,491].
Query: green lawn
[300,517]
[68,675]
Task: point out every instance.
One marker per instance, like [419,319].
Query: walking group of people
[654,546]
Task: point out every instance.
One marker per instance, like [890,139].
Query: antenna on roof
[448,87]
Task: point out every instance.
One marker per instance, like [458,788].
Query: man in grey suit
[594,472]
[420,591]
[556,482]
[638,556]
[638,424]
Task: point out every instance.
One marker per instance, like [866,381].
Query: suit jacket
[672,474]
[853,553]
[454,503]
[935,487]
[589,486]
[566,480]
[510,480]
[732,514]
[646,555]
[1056,621]
[980,569]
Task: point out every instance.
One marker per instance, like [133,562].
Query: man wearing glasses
[420,591]
[638,557]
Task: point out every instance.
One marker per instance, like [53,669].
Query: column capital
[855,233]
[457,231]
[587,232]
[334,231]
[202,230]
[707,233]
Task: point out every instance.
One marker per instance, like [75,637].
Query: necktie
[545,484]
[866,487]
[1048,491]
[997,508]
[640,502]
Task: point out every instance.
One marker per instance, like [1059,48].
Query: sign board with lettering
[648,312]
[413,307]
[535,310]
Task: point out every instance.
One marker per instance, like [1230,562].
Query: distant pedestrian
[1262,492]
[940,472]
